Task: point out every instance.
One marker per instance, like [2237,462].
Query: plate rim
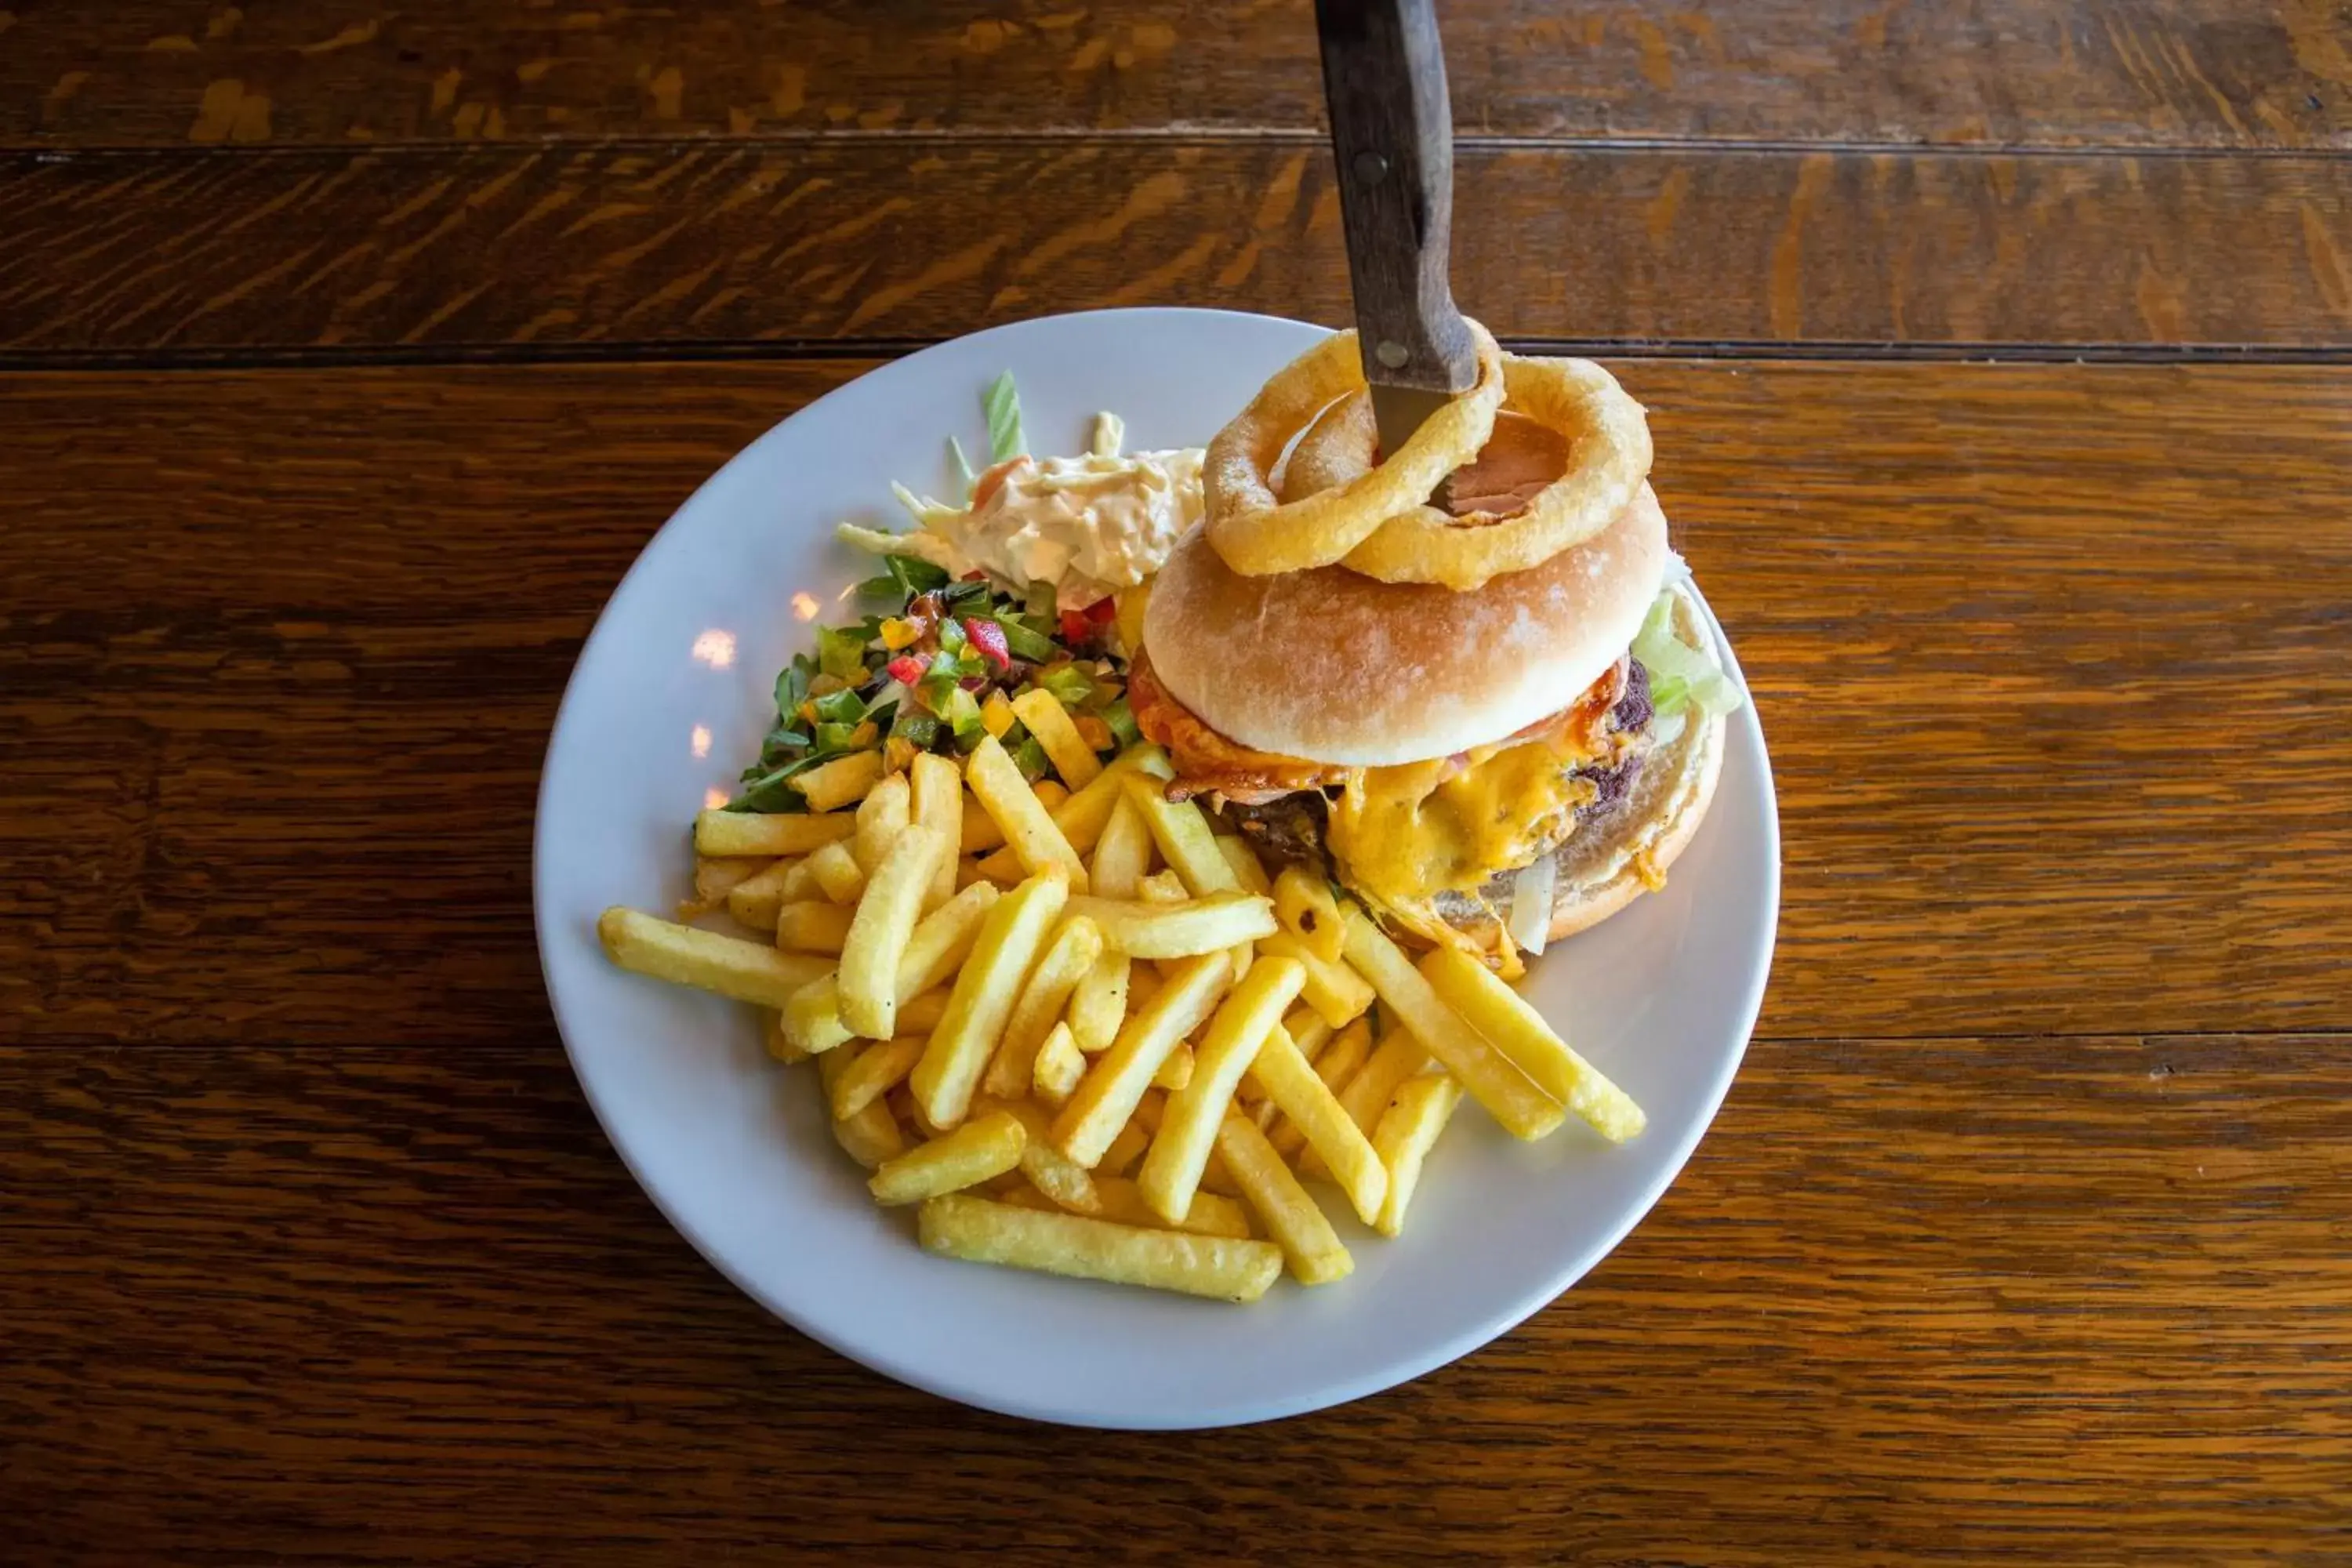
[879,1358]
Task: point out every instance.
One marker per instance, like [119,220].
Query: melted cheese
[1404,834]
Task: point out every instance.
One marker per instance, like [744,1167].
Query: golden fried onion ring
[1608,444]
[1609,441]
[1258,535]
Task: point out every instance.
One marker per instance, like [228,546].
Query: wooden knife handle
[1384,80]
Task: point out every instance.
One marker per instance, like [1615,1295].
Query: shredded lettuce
[1001,402]
[1681,677]
[925,547]
[964,475]
[1071,687]
[841,652]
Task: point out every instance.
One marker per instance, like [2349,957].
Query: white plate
[671,697]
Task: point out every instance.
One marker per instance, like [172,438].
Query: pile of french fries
[1088,1035]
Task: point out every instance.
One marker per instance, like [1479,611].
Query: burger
[1488,770]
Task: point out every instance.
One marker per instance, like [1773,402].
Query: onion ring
[1258,535]
[1341,444]
[1609,441]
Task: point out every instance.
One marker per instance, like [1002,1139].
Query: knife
[1384,82]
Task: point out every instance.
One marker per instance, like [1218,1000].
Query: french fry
[1407,1131]
[837,870]
[1247,866]
[1171,1170]
[1115,1083]
[1343,1052]
[871,1135]
[885,923]
[1343,1069]
[1064,1182]
[936,787]
[1509,1094]
[747,971]
[985,990]
[753,902]
[831,785]
[1520,1032]
[873,1072]
[1333,989]
[1029,831]
[772,1034]
[1175,1070]
[1212,1213]
[811,1017]
[882,816]
[1183,837]
[981,833]
[812,927]
[713,878]
[1307,1032]
[1184,929]
[1123,853]
[1290,1216]
[985,1147]
[1050,793]
[1098,1003]
[1028,1197]
[719,832]
[1143,983]
[1057,1067]
[1370,1087]
[1302,902]
[1087,813]
[799,885]
[1066,960]
[1162,888]
[942,940]
[1049,721]
[1307,1100]
[1125,1150]
[980,1231]
[922,1014]
[1215,1178]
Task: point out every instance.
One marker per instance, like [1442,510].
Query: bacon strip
[1205,762]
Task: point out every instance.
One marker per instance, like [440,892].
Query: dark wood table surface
[2000,356]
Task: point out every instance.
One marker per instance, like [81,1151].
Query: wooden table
[1998,354]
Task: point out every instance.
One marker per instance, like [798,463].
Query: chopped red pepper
[989,637]
[1103,611]
[1075,628]
[906,669]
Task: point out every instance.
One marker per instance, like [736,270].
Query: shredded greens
[1682,677]
[1001,402]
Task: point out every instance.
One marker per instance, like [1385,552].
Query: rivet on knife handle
[1384,80]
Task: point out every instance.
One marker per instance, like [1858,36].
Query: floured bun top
[1333,666]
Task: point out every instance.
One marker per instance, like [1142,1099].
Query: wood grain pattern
[2050,658]
[2149,73]
[1964,1301]
[733,245]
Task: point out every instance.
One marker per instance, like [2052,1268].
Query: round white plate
[671,696]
